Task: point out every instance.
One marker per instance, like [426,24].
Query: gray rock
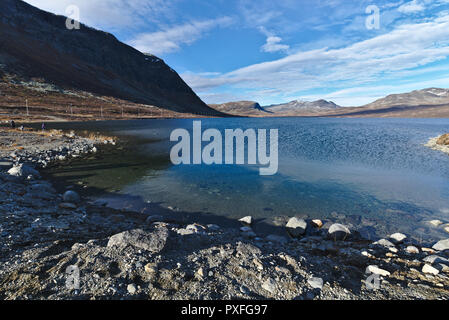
[338,232]
[397,238]
[441,245]
[71,196]
[296,227]
[436,259]
[153,241]
[315,283]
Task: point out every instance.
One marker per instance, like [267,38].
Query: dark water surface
[370,173]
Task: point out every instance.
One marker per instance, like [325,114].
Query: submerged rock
[71,197]
[22,170]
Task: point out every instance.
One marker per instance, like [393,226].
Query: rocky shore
[440,143]
[57,245]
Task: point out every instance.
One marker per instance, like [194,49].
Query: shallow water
[375,169]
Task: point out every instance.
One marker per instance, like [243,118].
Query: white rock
[269,285]
[376,270]
[338,231]
[434,223]
[315,283]
[412,250]
[131,288]
[296,227]
[246,220]
[429,269]
[441,245]
[397,237]
[384,243]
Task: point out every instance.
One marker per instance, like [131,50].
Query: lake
[375,175]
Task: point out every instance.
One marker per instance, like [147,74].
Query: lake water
[373,174]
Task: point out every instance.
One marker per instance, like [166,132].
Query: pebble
[131,288]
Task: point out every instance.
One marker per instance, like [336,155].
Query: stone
[397,238]
[131,288]
[150,268]
[434,223]
[384,243]
[376,270]
[269,285]
[22,170]
[200,272]
[248,220]
[435,259]
[71,196]
[430,270]
[446,228]
[153,241]
[296,227]
[315,283]
[441,245]
[412,250]
[338,232]
[317,223]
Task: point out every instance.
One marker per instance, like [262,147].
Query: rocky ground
[56,245]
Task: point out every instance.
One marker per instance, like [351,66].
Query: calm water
[370,173]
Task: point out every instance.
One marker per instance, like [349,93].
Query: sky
[351,52]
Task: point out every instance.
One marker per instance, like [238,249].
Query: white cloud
[406,47]
[171,39]
[111,14]
[412,7]
[273,44]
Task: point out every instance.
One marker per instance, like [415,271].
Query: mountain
[241,108]
[300,106]
[430,96]
[38,51]
[425,103]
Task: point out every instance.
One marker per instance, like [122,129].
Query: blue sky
[277,51]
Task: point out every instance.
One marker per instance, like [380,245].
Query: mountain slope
[299,106]
[241,108]
[35,45]
[430,96]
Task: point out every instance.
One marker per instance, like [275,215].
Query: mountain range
[431,102]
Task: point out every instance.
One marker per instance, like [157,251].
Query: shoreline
[127,255]
[434,145]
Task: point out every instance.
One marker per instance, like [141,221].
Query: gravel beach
[54,244]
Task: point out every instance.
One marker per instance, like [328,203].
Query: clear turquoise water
[375,169]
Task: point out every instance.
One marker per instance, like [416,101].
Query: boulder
[338,232]
[296,227]
[153,241]
[71,197]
